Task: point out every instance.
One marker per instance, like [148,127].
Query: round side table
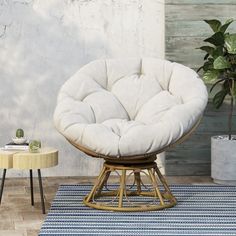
[25,160]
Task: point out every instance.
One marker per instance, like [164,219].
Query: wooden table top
[47,157]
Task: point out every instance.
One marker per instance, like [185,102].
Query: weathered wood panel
[187,28]
[199,12]
[200,2]
[196,28]
[185,31]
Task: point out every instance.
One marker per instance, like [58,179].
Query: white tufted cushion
[129,106]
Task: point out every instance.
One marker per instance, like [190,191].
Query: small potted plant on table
[19,139]
[219,68]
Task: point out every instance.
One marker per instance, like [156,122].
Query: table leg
[41,191]
[31,187]
[2,185]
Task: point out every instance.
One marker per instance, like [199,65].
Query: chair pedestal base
[139,196]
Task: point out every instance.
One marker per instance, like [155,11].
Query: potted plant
[219,68]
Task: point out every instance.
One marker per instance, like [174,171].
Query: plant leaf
[219,51]
[230,43]
[207,49]
[208,65]
[211,75]
[206,56]
[214,24]
[221,63]
[219,98]
[216,39]
[224,27]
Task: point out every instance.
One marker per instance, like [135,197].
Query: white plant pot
[223,160]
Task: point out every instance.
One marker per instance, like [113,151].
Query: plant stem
[230,117]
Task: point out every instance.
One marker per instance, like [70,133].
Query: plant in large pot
[219,68]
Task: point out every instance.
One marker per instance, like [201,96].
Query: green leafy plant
[220,65]
[19,133]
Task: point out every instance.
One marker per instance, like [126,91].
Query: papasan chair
[126,111]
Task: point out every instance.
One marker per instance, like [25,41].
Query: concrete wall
[43,43]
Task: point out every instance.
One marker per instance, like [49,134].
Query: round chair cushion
[126,107]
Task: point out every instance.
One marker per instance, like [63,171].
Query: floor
[19,218]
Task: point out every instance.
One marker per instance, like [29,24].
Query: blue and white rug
[201,210]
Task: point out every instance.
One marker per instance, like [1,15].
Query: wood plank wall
[185,31]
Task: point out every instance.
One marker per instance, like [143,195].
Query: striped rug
[201,210]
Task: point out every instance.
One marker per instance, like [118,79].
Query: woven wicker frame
[138,197]
[137,164]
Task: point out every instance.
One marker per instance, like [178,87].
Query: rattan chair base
[155,195]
